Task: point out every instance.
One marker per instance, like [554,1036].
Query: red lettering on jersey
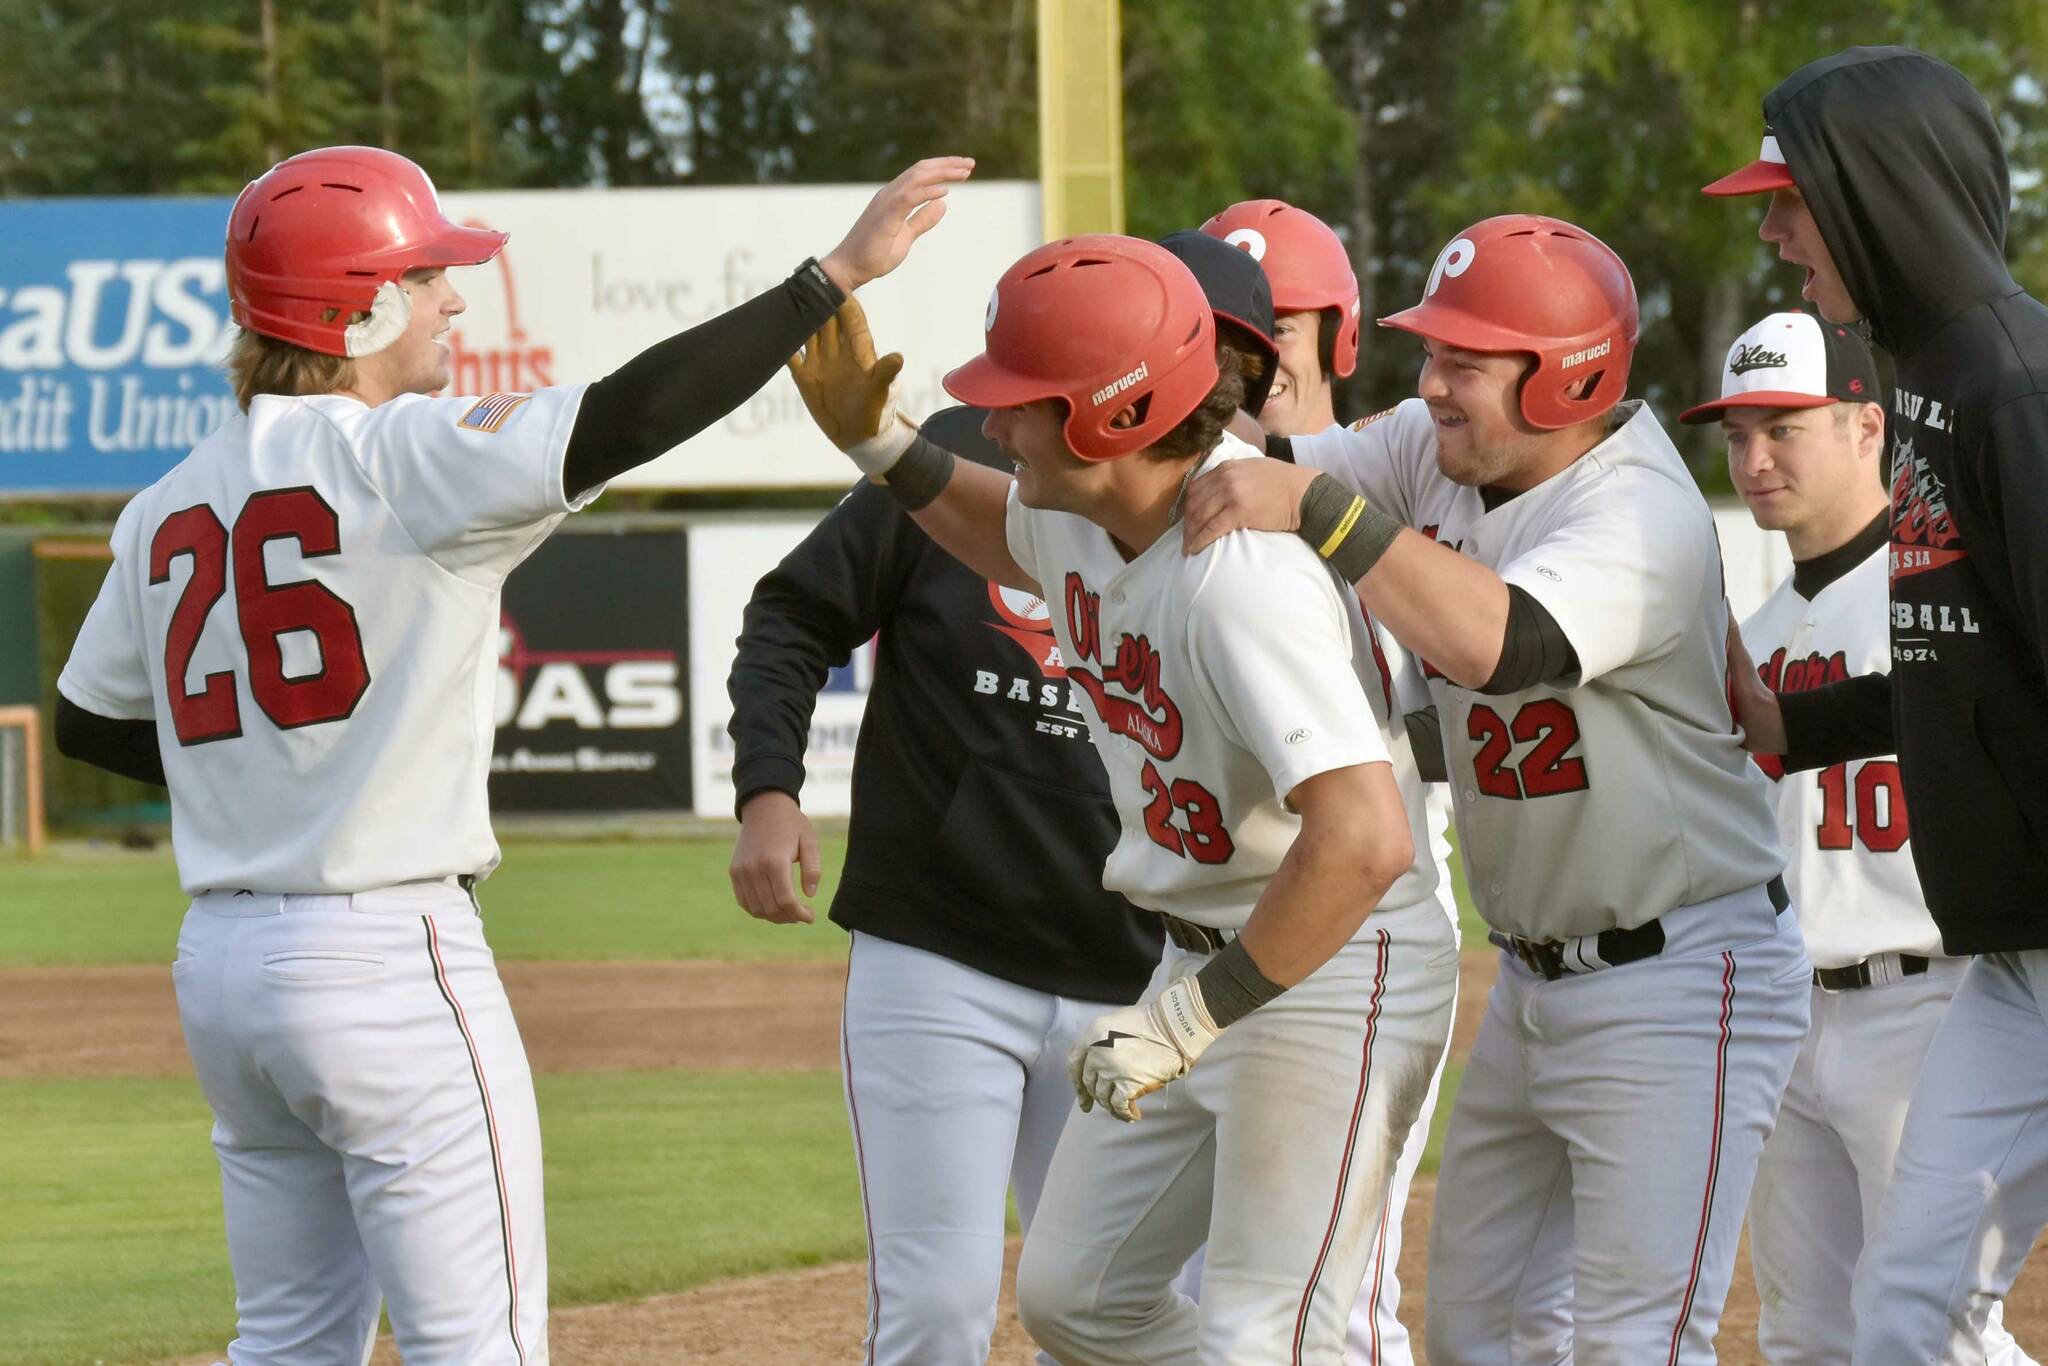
[1783,674]
[1084,618]
[1147,715]
[1204,839]
[1379,657]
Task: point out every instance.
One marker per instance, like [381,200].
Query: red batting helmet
[1523,282]
[1306,265]
[1104,323]
[314,240]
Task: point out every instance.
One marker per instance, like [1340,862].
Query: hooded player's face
[1790,226]
[1475,400]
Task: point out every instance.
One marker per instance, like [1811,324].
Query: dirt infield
[575,1017]
[596,1016]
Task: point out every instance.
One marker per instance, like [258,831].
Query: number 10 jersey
[1844,826]
[307,607]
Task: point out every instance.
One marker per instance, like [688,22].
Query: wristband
[1232,986]
[1348,532]
[919,475]
[878,454]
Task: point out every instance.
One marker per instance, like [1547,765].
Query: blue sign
[113,324]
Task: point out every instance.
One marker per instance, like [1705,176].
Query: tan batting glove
[1130,1053]
[851,394]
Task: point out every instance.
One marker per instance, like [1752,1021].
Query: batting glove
[1130,1053]
[851,394]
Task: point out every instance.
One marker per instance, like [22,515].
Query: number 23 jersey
[1605,804]
[1215,684]
[307,606]
[1844,826]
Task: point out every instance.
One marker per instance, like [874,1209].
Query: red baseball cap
[1768,172]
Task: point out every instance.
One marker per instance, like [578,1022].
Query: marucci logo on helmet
[1115,387]
[1589,353]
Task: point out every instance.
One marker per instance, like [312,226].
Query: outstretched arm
[851,395]
[678,387]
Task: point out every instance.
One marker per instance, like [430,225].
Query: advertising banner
[114,316]
[727,558]
[592,644]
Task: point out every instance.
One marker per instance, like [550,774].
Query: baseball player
[299,635]
[982,939]
[1804,419]
[1965,706]
[1269,815]
[1544,549]
[1315,302]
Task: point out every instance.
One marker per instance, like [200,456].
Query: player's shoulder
[1406,429]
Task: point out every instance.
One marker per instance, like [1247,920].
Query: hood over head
[1900,161]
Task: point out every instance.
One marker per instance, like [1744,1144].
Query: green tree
[1614,113]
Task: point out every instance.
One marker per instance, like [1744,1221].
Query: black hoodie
[1900,162]
[981,816]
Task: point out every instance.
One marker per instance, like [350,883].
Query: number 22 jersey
[307,606]
[1606,803]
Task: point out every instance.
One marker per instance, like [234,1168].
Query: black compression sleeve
[124,747]
[1426,740]
[1847,720]
[676,388]
[1533,649]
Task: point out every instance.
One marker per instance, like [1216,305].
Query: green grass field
[548,900]
[112,1249]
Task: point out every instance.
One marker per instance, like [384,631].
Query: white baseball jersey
[1216,683]
[1848,863]
[307,607]
[1609,803]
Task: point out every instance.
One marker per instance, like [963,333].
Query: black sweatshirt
[981,815]
[1900,162]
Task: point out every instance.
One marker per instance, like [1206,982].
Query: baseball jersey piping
[860,1162]
[1699,1247]
[483,1090]
[1372,1017]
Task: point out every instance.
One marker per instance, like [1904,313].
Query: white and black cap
[1793,360]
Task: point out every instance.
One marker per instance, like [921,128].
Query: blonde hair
[264,365]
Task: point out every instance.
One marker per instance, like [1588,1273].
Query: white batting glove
[1130,1053]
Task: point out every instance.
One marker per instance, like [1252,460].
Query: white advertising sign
[592,277]
[727,557]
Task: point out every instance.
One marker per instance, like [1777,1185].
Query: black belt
[1858,975]
[1551,960]
[1195,938]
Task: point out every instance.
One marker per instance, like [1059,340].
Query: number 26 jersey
[307,606]
[1606,803]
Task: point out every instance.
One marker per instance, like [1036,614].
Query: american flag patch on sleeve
[492,411]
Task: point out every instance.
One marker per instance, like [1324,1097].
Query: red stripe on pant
[476,1065]
[1372,1018]
[1699,1247]
[860,1161]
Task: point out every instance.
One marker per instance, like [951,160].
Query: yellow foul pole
[1081,116]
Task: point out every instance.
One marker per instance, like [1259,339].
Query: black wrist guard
[1345,530]
[1232,985]
[919,475]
